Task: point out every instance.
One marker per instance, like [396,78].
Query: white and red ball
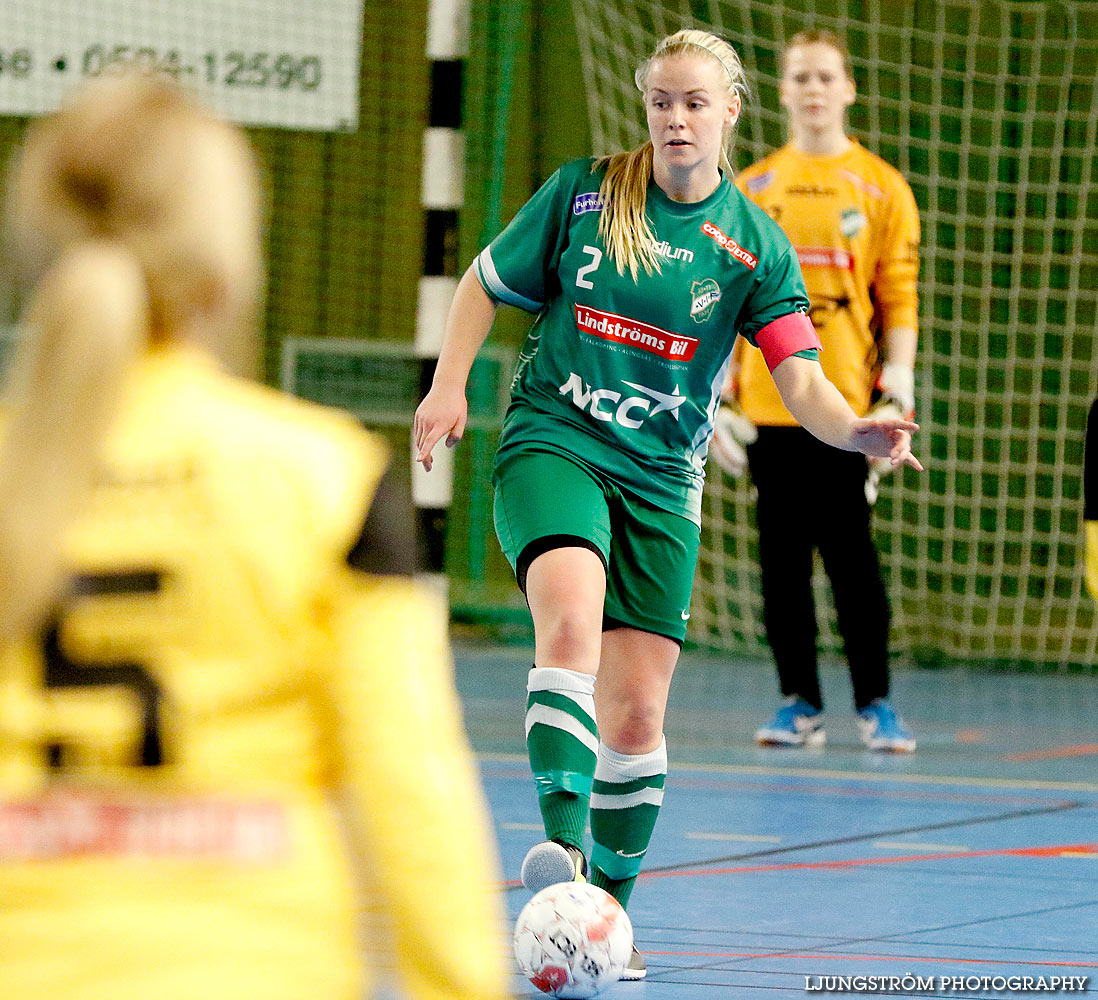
[573,940]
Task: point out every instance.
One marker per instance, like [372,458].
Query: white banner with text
[281,63]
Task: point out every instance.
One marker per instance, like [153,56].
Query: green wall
[345,234]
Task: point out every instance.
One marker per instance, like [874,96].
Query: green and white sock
[562,740]
[625,801]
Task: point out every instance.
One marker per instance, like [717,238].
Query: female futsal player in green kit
[642,268]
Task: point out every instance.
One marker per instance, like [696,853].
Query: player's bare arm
[819,406]
[443,412]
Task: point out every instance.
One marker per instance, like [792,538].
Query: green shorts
[545,500]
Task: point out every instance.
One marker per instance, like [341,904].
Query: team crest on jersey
[760,183]
[705,295]
[590,202]
[852,222]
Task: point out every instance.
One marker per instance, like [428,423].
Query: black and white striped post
[442,197]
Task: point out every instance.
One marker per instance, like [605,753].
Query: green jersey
[626,375]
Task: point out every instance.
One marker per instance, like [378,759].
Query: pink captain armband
[785,337]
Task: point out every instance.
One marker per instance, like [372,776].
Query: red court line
[1026,852]
[1079,750]
[829,956]
[1058,851]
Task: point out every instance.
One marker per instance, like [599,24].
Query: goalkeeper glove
[897,386]
[897,402]
[732,432]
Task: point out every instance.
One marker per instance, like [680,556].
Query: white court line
[749,838]
[870,776]
[521,826]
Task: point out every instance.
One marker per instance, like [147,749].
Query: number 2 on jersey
[581,274]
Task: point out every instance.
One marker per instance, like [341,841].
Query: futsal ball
[573,939]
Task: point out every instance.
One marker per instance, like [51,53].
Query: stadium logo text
[743,256]
[633,333]
[664,249]
[615,407]
[590,202]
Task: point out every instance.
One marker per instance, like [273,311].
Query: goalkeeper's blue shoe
[795,724]
[883,729]
[550,862]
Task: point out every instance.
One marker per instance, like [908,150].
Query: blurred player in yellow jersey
[222,696]
[853,221]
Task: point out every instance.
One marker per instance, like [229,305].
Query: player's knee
[633,728]
[570,639]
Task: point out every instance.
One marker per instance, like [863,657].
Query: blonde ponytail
[624,225]
[134,216]
[87,320]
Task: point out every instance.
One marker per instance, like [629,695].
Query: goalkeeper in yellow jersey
[853,221]
[223,698]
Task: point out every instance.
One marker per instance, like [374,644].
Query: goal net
[989,110]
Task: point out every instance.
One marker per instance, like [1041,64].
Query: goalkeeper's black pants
[812,497]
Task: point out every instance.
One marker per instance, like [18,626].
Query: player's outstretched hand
[886,437]
[441,414]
